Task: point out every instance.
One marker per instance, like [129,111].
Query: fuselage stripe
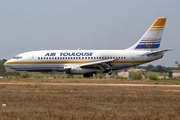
[75,62]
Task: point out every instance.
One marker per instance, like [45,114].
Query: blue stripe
[152,42]
[142,46]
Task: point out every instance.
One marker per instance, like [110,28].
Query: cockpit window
[17,57]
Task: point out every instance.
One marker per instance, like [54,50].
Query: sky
[27,25]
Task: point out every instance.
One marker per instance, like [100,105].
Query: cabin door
[132,56]
[32,59]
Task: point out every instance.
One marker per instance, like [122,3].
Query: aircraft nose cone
[6,63]
[10,64]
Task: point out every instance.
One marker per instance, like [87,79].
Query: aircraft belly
[36,67]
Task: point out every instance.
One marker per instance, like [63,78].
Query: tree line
[2,67]
[158,68]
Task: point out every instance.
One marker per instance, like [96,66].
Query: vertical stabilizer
[152,37]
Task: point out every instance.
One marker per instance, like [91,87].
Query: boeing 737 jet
[88,62]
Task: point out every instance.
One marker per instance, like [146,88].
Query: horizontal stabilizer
[159,52]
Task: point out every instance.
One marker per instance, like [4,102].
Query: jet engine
[79,70]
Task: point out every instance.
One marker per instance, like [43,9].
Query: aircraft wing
[103,64]
[158,52]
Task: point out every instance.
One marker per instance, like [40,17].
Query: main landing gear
[87,75]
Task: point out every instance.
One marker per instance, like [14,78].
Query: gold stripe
[130,62]
[74,62]
[160,22]
[62,62]
[157,26]
[156,29]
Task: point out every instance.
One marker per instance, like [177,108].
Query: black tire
[87,75]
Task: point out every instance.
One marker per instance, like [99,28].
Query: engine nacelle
[79,70]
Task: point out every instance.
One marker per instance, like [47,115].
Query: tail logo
[149,43]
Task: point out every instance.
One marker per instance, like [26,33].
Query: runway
[87,84]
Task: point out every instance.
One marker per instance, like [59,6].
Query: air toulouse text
[70,54]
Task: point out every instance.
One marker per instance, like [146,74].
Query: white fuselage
[48,60]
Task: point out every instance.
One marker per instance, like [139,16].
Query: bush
[135,75]
[170,74]
[24,75]
[2,67]
[55,73]
[152,76]
[13,74]
[38,76]
[99,75]
[67,76]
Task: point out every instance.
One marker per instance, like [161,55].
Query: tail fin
[152,37]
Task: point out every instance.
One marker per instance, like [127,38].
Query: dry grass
[39,99]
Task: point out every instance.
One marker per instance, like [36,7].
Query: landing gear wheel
[87,75]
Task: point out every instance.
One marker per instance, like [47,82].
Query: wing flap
[103,65]
[97,63]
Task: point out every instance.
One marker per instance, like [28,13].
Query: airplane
[89,62]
